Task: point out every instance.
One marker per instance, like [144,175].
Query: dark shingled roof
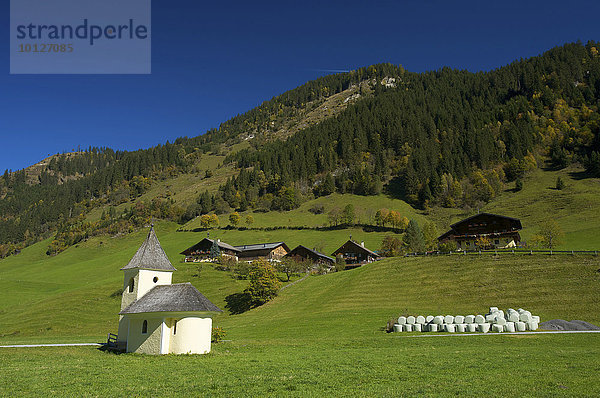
[314,252]
[356,246]
[198,245]
[516,220]
[180,297]
[260,246]
[150,255]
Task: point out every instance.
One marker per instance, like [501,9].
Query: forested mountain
[444,137]
[436,128]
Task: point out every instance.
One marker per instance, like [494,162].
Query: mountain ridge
[443,138]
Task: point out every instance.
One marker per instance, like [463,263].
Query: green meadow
[323,335]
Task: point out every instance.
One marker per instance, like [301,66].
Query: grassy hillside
[76,292]
[576,208]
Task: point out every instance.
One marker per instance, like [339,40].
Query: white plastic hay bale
[520,326]
[470,319]
[402,320]
[471,327]
[509,327]
[535,318]
[408,328]
[520,310]
[411,320]
[429,318]
[417,327]
[459,319]
[438,320]
[484,327]
[420,320]
[525,317]
[398,328]
[493,309]
[490,318]
[448,319]
[450,328]
[531,325]
[497,328]
[513,316]
[500,320]
[479,319]
[433,327]
[460,327]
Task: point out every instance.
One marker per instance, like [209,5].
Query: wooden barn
[303,253]
[355,254]
[265,251]
[495,230]
[201,251]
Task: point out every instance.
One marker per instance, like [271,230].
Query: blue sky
[212,61]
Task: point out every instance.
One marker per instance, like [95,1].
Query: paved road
[502,334]
[50,345]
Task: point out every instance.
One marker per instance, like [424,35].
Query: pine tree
[215,251]
[414,238]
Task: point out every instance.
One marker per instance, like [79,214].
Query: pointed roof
[356,246]
[208,242]
[315,253]
[150,255]
[516,221]
[180,297]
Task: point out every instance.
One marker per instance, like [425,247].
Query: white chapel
[158,317]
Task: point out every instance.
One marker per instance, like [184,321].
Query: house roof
[452,232]
[221,245]
[150,255]
[262,246]
[316,253]
[180,297]
[357,246]
[489,215]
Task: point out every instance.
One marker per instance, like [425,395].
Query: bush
[264,283]
[518,184]
[241,269]
[449,246]
[340,264]
[317,209]
[391,246]
[218,333]
[560,184]
[225,263]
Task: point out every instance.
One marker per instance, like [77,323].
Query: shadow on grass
[580,175]
[110,350]
[238,303]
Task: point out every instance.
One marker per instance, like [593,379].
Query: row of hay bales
[495,321]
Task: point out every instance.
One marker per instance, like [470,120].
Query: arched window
[131,284]
[145,327]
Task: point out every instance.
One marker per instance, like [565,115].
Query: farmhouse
[158,317]
[303,253]
[355,254]
[266,251]
[201,251]
[490,230]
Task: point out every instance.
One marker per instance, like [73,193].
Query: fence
[504,251]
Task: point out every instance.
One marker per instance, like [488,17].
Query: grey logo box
[80,37]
